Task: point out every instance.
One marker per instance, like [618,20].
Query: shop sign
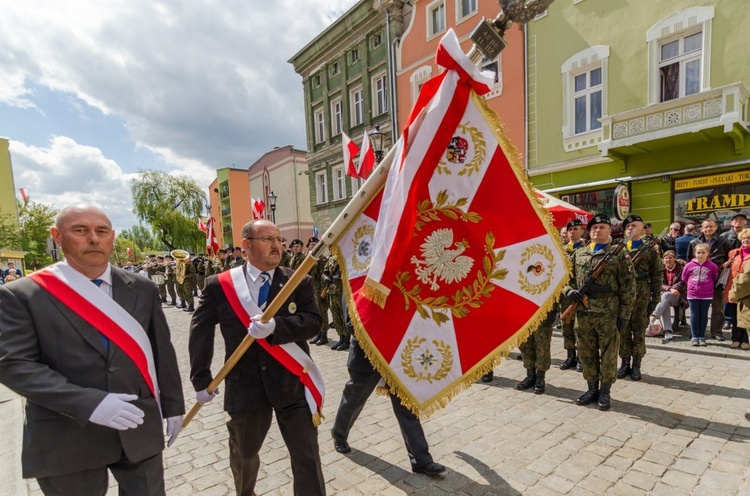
[621,202]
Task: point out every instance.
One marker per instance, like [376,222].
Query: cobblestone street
[679,431]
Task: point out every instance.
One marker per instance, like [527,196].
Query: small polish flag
[350,151]
[367,158]
[24,194]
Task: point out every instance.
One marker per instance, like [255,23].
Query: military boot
[190,309]
[315,339]
[528,382]
[624,368]
[182,304]
[569,362]
[603,403]
[172,303]
[539,384]
[488,376]
[635,373]
[579,366]
[589,396]
[323,339]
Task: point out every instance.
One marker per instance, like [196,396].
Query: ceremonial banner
[366,158]
[455,261]
[350,150]
[212,244]
[259,206]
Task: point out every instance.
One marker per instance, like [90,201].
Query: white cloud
[67,173]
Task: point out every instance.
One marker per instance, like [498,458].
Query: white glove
[261,330]
[115,412]
[203,396]
[174,424]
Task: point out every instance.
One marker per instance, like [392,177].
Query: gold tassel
[317,418]
[382,391]
[375,292]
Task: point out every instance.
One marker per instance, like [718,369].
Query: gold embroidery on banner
[538,269]
[426,359]
[362,248]
[441,260]
[480,151]
[428,211]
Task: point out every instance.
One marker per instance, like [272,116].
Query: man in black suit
[363,379]
[259,384]
[92,404]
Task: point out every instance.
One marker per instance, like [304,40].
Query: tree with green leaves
[142,237]
[171,205]
[120,252]
[35,219]
[10,232]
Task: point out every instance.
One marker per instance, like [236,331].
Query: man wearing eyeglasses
[668,242]
[259,384]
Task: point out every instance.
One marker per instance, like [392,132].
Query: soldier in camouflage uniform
[162,271]
[647,236]
[536,355]
[334,293]
[185,290]
[316,273]
[286,258]
[575,233]
[648,274]
[610,301]
[200,274]
[171,281]
[297,256]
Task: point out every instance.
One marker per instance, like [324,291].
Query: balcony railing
[725,107]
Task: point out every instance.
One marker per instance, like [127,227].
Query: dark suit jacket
[258,380]
[56,360]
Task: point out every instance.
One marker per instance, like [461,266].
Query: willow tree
[171,205]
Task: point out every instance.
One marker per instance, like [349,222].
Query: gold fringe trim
[494,358]
[382,391]
[374,291]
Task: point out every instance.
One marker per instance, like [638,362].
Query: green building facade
[642,104]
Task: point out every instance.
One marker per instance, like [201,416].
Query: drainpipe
[391,72]
[526,99]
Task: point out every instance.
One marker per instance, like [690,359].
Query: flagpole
[488,41]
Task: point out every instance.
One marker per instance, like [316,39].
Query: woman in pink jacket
[700,274]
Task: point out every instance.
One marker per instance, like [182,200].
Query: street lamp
[378,136]
[272,204]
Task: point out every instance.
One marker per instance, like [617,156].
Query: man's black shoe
[719,337]
[321,341]
[488,376]
[432,469]
[341,447]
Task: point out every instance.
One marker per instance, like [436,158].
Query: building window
[356,184]
[320,126]
[435,18]
[495,66]
[465,8]
[357,106]
[316,81]
[680,66]
[377,40]
[336,117]
[584,97]
[339,183]
[417,79]
[679,49]
[354,55]
[587,100]
[380,95]
[321,188]
[334,68]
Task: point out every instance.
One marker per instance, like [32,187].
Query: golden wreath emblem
[422,362]
[537,265]
[442,260]
[455,151]
[362,255]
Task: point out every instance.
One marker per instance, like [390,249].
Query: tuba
[179,256]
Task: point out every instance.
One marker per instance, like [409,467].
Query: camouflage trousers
[598,341]
[162,291]
[633,335]
[336,305]
[170,287]
[323,307]
[185,292]
[536,349]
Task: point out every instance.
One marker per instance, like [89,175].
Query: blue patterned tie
[105,339]
[265,288]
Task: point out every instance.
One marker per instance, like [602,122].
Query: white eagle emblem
[441,261]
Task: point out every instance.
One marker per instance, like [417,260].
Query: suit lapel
[124,295]
[279,280]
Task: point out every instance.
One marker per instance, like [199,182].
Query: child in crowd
[700,274]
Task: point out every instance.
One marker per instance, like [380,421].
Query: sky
[91,92]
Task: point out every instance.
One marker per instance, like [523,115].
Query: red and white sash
[75,291]
[290,355]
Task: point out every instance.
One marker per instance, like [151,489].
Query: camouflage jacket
[332,271]
[648,271]
[613,292]
[317,273]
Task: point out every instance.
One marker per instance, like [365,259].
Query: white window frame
[357,183]
[684,23]
[337,116]
[583,61]
[320,125]
[357,106]
[339,182]
[432,29]
[682,59]
[497,88]
[316,81]
[335,69]
[354,56]
[459,4]
[377,40]
[321,187]
[379,95]
[417,79]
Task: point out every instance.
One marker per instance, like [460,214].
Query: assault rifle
[569,312]
[653,243]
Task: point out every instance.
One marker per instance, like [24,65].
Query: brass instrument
[180,256]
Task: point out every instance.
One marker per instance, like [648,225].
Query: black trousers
[145,478]
[362,382]
[247,431]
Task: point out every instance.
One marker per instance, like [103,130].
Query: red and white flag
[439,286]
[129,251]
[202,226]
[24,194]
[366,158]
[259,207]
[212,244]
[350,151]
